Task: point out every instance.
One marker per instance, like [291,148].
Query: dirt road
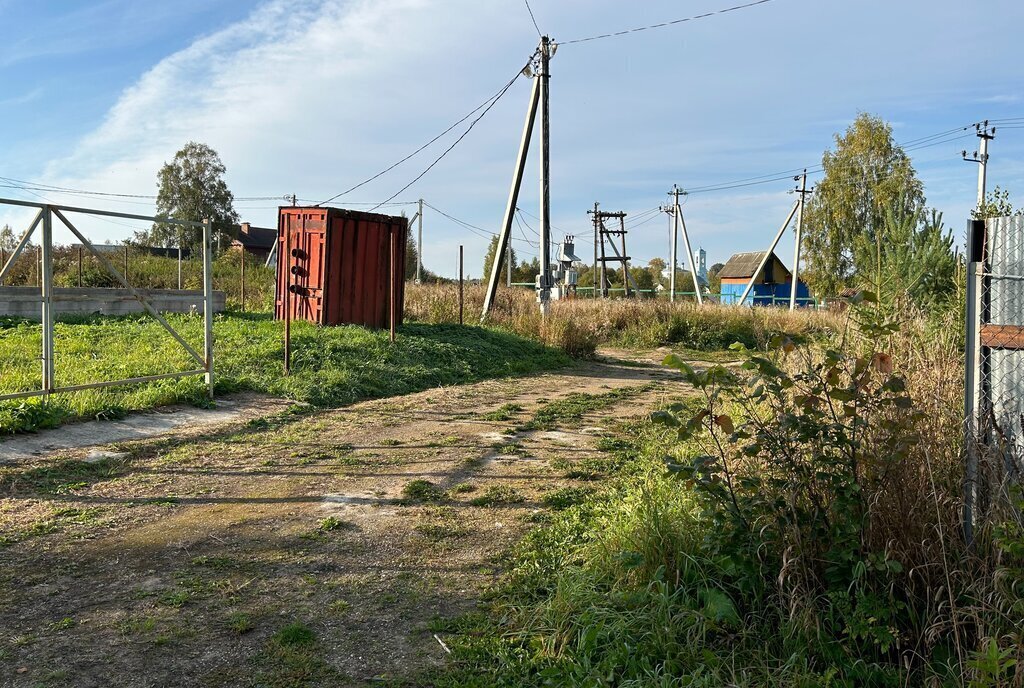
[292,549]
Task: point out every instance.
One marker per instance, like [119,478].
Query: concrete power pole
[538,101]
[799,234]
[980,156]
[544,284]
[596,232]
[504,236]
[673,248]
[679,222]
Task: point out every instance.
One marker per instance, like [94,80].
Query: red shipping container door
[338,265]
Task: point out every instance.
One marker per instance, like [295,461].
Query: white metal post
[208,304]
[544,292]
[972,392]
[46,285]
[799,235]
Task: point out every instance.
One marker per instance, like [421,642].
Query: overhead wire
[475,229]
[457,141]
[486,104]
[667,23]
[533,18]
[921,143]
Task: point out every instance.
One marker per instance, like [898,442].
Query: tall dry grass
[579,326]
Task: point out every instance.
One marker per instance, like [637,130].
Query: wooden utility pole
[604,234]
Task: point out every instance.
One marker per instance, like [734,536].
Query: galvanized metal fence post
[46,279]
[208,304]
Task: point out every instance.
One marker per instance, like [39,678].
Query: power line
[457,141]
[475,229]
[487,103]
[668,23]
[929,141]
[532,18]
[50,188]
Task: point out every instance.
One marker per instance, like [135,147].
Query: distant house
[258,241]
[771,284]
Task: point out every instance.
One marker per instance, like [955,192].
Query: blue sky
[312,96]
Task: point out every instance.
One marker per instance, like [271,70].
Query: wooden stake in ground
[461,301]
[242,279]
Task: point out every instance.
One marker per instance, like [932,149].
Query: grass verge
[331,366]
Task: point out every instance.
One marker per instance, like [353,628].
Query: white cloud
[311,96]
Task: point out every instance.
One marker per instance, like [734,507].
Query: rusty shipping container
[338,265]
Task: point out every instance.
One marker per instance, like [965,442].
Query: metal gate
[44,223]
[994,381]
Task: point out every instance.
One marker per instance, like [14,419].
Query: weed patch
[570,410]
[498,495]
[421,491]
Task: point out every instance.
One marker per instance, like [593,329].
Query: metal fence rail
[994,376]
[44,223]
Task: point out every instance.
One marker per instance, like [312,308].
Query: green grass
[331,366]
[503,412]
[628,584]
[420,490]
[571,409]
[498,495]
[586,600]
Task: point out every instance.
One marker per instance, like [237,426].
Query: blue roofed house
[771,284]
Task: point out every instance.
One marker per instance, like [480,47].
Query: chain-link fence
[994,403]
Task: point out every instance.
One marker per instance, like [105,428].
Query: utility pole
[980,156]
[294,200]
[596,231]
[544,285]
[508,266]
[675,240]
[768,253]
[671,212]
[504,236]
[799,235]
[419,244]
[686,244]
[602,232]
